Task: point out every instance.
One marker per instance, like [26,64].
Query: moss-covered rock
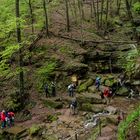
[84,86]
[34,129]
[53,104]
[112,119]
[75,66]
[93,99]
[91,108]
[123,91]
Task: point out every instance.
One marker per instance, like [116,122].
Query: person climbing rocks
[106,94]
[3,119]
[121,80]
[120,117]
[97,82]
[11,117]
[7,119]
[71,88]
[73,106]
[53,89]
[47,90]
[131,94]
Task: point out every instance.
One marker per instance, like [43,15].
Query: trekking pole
[100,126]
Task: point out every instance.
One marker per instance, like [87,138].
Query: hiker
[47,90]
[53,89]
[121,80]
[120,117]
[73,106]
[97,82]
[131,94]
[106,95]
[3,119]
[11,117]
[7,119]
[71,88]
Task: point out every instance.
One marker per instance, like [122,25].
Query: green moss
[53,104]
[34,129]
[52,118]
[85,85]
[87,107]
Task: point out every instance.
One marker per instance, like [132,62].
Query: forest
[70,69]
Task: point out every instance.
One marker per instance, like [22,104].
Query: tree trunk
[98,14]
[67,16]
[107,3]
[118,7]
[21,75]
[129,11]
[93,4]
[46,18]
[31,16]
[101,20]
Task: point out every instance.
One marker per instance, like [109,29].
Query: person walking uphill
[71,90]
[3,119]
[47,90]
[97,82]
[53,89]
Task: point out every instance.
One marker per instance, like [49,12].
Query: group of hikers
[50,90]
[7,118]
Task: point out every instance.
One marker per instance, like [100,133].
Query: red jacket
[3,116]
[106,92]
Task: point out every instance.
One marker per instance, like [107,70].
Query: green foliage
[44,73]
[51,118]
[129,61]
[13,102]
[34,129]
[136,7]
[53,104]
[123,126]
[84,86]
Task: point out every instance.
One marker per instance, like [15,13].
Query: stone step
[15,130]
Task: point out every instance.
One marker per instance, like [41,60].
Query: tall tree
[31,15]
[102,8]
[67,16]
[46,18]
[21,74]
[98,20]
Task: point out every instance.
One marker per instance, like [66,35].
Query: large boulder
[53,104]
[123,91]
[91,108]
[75,67]
[84,86]
[89,98]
